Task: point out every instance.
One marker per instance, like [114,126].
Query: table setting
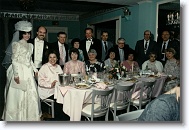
[73,93]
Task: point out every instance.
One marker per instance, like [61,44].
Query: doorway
[164,8]
[109,26]
[112,26]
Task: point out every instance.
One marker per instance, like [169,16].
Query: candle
[177,15]
[168,17]
[172,17]
[132,67]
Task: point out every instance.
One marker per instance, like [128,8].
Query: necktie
[61,55]
[106,48]
[145,46]
[163,50]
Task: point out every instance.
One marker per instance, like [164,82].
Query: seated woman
[75,44]
[172,69]
[93,64]
[152,63]
[74,66]
[110,62]
[47,80]
[130,62]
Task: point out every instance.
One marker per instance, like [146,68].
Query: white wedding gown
[21,105]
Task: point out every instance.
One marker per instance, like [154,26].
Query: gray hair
[92,51]
[120,39]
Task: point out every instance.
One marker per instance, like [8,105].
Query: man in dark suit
[61,48]
[144,47]
[40,47]
[121,50]
[90,43]
[106,45]
[165,44]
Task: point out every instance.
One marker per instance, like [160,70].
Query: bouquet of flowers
[117,71]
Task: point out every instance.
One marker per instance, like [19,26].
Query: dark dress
[96,67]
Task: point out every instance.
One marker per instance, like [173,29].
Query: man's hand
[16,79]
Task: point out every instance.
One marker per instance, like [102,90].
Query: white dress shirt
[38,52]
[88,44]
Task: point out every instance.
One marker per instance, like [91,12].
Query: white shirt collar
[38,40]
[60,44]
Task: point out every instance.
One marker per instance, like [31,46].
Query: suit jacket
[96,45]
[171,44]
[104,54]
[141,57]
[54,46]
[115,48]
[45,48]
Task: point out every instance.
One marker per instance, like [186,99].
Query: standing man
[90,43]
[106,45]
[165,44]
[121,50]
[40,47]
[61,48]
[144,47]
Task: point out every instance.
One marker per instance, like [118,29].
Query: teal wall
[143,17]
[73,27]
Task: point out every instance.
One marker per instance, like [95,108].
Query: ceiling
[78,7]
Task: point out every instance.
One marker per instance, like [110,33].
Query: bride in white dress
[22,100]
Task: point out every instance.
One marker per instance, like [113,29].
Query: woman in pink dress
[74,66]
[130,63]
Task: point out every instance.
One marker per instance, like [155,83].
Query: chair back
[123,102]
[130,116]
[50,103]
[148,87]
[103,109]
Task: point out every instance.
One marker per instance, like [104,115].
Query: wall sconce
[126,13]
[173,18]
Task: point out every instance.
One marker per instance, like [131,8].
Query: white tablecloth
[73,99]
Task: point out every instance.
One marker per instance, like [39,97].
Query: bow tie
[89,39]
[39,40]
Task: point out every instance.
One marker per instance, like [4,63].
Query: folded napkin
[161,74]
[101,85]
[64,90]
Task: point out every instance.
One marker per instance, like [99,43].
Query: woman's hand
[177,91]
[16,79]
[53,83]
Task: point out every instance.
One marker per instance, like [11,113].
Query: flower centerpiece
[117,71]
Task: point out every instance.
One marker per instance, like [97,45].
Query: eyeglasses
[120,43]
[153,56]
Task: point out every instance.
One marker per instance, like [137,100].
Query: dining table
[74,99]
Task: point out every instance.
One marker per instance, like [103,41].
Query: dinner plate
[94,80]
[82,86]
[126,78]
[109,83]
